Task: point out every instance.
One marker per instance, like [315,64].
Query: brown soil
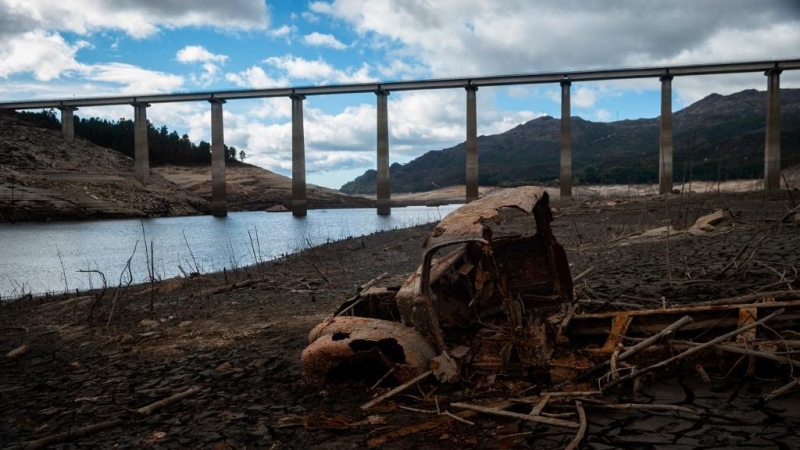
[43,178]
[46,178]
[251,188]
[242,346]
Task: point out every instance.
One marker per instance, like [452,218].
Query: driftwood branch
[98,427]
[782,390]
[746,351]
[583,274]
[691,351]
[396,390]
[149,409]
[513,415]
[685,320]
[356,300]
[750,298]
[581,429]
[597,404]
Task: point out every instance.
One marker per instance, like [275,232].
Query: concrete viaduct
[772,154]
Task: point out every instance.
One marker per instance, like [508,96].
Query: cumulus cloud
[198,53]
[323,40]
[602,115]
[45,55]
[255,77]
[282,31]
[134,79]
[319,70]
[472,37]
[583,97]
[137,19]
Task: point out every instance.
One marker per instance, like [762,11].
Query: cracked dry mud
[242,346]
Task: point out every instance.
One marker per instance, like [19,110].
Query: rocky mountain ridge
[716,137]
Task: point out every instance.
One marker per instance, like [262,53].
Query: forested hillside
[166,147]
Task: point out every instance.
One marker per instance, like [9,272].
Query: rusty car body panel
[493,292]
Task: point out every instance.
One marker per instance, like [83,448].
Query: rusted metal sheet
[500,276]
[342,346]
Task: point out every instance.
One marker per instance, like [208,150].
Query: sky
[81,48]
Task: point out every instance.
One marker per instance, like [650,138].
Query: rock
[277,208]
[714,218]
[225,367]
[148,323]
[126,339]
[17,352]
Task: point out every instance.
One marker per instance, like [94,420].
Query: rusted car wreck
[494,294]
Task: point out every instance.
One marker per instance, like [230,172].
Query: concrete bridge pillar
[68,122]
[299,200]
[772,144]
[665,147]
[141,150]
[383,189]
[472,144]
[219,206]
[566,141]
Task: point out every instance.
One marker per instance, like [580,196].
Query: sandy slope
[43,177]
[253,188]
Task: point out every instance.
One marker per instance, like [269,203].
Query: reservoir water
[48,257]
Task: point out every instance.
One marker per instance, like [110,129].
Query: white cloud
[137,19]
[473,37]
[255,77]
[602,115]
[583,97]
[319,70]
[198,53]
[323,40]
[282,31]
[207,77]
[310,17]
[134,79]
[45,55]
[399,69]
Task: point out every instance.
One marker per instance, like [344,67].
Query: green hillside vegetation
[718,137]
[165,146]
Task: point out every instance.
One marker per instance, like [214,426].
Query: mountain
[716,137]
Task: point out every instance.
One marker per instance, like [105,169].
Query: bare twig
[692,351]
[98,427]
[513,415]
[194,261]
[581,429]
[396,390]
[583,274]
[745,351]
[782,390]
[391,371]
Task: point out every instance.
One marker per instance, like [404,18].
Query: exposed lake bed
[238,336]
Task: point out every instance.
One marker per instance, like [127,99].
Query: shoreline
[452,195]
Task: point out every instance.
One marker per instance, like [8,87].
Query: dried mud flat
[238,338]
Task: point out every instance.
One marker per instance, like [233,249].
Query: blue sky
[66,48]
